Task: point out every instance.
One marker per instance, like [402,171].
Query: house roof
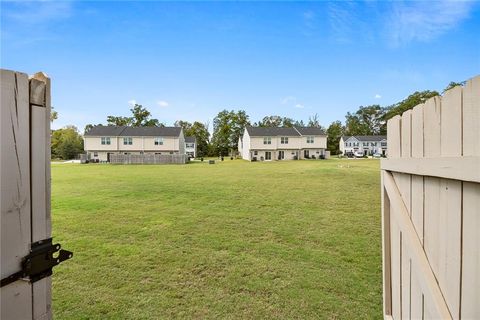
[105,131]
[310,131]
[271,131]
[366,138]
[119,131]
[191,139]
[293,131]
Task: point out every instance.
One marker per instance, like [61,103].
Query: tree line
[229,125]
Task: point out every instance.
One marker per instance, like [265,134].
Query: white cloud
[377,96]
[424,21]
[299,106]
[288,99]
[162,103]
[132,102]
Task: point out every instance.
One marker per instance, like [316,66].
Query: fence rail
[148,158]
[431,209]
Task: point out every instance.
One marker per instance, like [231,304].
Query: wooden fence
[148,158]
[25,189]
[431,209]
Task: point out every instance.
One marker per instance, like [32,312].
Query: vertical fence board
[403,182]
[386,245]
[394,143]
[16,300]
[470,295]
[451,203]
[417,181]
[39,197]
[432,234]
[471,252]
[393,137]
[396,267]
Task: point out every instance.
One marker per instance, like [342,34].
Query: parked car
[377,155]
[358,154]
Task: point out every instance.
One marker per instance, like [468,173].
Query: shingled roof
[310,131]
[124,131]
[366,138]
[190,139]
[287,132]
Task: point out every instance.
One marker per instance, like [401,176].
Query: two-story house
[102,141]
[264,144]
[367,145]
[191,147]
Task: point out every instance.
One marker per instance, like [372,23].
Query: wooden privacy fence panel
[25,188]
[431,209]
[148,158]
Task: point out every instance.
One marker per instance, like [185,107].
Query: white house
[102,141]
[191,147]
[265,144]
[366,145]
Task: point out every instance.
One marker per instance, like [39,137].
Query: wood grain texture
[40,171]
[470,295]
[427,281]
[16,300]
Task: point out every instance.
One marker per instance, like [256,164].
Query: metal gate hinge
[39,262]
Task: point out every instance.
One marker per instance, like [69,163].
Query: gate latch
[39,262]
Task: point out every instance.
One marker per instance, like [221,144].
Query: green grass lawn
[293,239]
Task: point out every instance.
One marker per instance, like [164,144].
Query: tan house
[102,141]
[265,144]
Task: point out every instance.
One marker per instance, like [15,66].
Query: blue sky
[190,60]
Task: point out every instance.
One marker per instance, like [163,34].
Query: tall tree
[186,126]
[200,132]
[313,121]
[228,126]
[408,103]
[334,132]
[66,143]
[119,121]
[53,115]
[367,120]
[453,84]
[141,117]
[277,121]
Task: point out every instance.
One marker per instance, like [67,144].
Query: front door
[306,154]
[268,155]
[281,155]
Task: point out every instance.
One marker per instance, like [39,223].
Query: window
[95,154]
[127,141]
[126,153]
[310,139]
[105,140]
[158,141]
[190,145]
[374,144]
[255,153]
[284,140]
[384,144]
[365,144]
[267,140]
